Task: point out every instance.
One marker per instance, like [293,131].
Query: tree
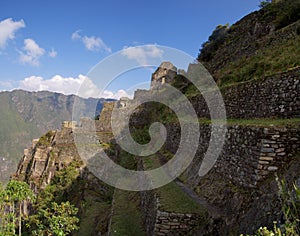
[17,192]
[6,217]
[59,219]
[264,3]
[14,195]
[216,39]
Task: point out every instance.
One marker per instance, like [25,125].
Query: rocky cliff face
[53,161]
[48,154]
[27,115]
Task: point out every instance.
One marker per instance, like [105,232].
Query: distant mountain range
[27,115]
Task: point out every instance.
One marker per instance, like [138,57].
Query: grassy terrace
[266,62]
[171,196]
[173,199]
[127,216]
[262,122]
[93,209]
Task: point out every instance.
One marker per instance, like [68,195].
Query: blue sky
[52,45]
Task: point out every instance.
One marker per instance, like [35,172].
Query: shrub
[215,40]
[290,200]
[263,4]
[45,140]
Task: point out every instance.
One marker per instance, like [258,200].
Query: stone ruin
[69,124]
[165,73]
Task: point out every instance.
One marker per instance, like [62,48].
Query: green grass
[94,215]
[173,199]
[265,62]
[151,162]
[127,217]
[262,122]
[127,160]
[45,140]
[171,196]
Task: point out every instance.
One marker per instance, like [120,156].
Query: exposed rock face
[54,152]
[27,115]
[49,154]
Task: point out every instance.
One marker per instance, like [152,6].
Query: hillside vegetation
[263,43]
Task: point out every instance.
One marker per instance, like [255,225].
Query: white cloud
[6,85]
[8,28]
[57,83]
[119,94]
[95,44]
[69,85]
[52,53]
[142,54]
[91,43]
[76,35]
[31,53]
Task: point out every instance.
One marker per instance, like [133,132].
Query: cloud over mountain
[81,85]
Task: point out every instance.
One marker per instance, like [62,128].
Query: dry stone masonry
[250,154]
[274,96]
[168,223]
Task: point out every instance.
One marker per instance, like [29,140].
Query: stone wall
[169,223]
[140,93]
[277,148]
[249,155]
[69,124]
[160,222]
[273,96]
[149,210]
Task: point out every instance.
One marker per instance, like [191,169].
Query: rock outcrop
[27,115]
